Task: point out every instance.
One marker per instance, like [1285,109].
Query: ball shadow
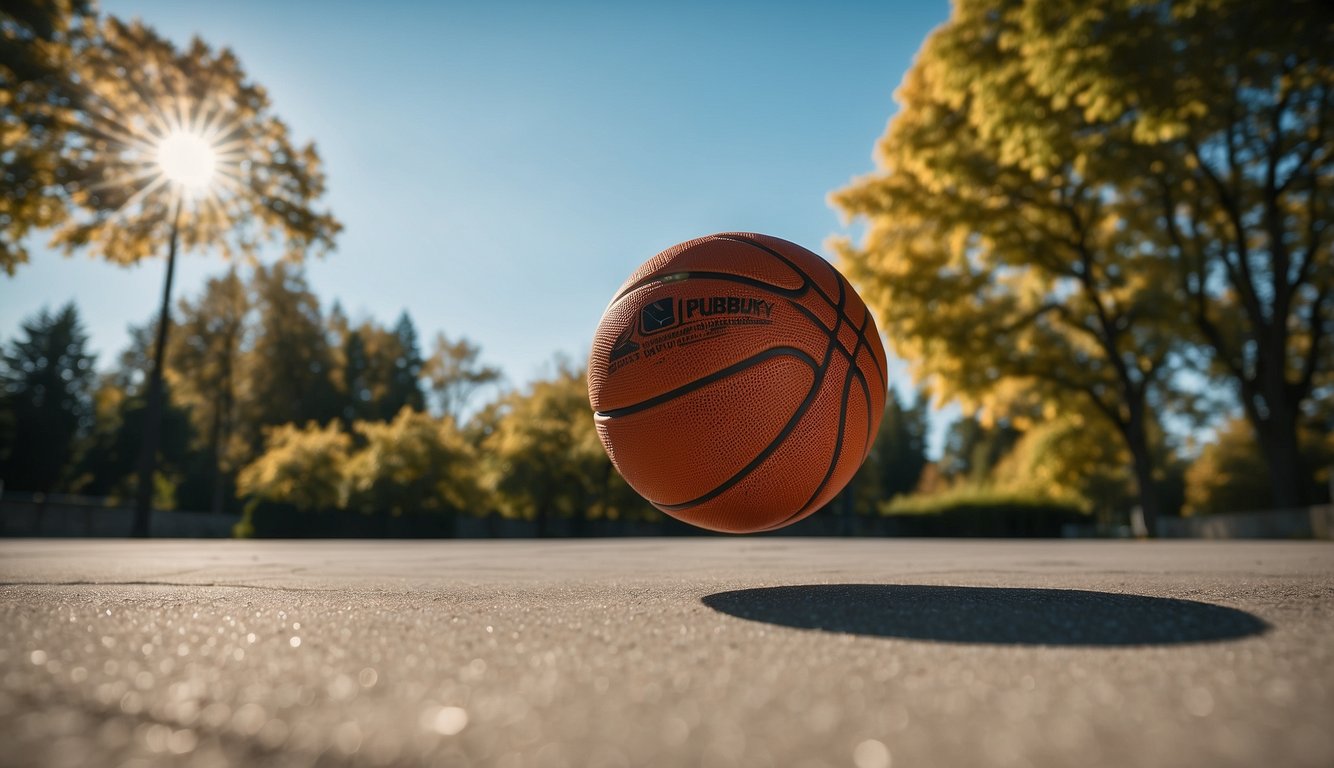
[995,615]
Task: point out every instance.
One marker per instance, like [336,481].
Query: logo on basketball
[624,345]
[658,315]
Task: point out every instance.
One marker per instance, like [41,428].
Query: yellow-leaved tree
[1160,175]
[176,147]
[1007,268]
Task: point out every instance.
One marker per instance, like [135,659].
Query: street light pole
[143,507]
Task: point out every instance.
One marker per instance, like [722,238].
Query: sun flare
[187,159]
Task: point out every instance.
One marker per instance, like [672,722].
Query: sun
[187,159]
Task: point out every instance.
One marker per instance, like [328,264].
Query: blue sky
[501,167]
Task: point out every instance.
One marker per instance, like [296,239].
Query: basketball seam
[884,379]
[838,440]
[792,423]
[714,377]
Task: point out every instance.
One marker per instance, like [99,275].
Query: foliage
[1073,458]
[204,369]
[37,50]
[301,466]
[983,512]
[454,374]
[1227,119]
[1230,474]
[546,460]
[45,393]
[378,370]
[972,449]
[1107,188]
[290,365]
[136,88]
[415,464]
[1008,269]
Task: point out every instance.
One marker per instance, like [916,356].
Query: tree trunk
[1142,460]
[1277,435]
[143,507]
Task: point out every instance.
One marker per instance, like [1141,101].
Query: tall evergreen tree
[290,365]
[45,388]
[404,388]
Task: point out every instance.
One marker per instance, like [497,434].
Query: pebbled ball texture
[737,381]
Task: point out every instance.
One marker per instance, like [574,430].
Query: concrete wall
[1307,523]
[57,518]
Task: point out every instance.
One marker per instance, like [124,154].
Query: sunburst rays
[185,152]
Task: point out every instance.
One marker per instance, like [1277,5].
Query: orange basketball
[737,381]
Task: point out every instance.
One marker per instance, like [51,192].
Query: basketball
[737,381]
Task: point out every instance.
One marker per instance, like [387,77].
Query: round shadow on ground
[999,615]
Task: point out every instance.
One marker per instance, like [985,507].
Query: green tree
[1229,475]
[404,385]
[46,379]
[546,460]
[304,466]
[289,368]
[415,464]
[454,374]
[378,370]
[204,368]
[38,44]
[108,462]
[1008,269]
[1224,113]
[137,91]
[973,449]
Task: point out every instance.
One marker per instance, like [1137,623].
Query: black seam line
[791,424]
[681,277]
[884,376]
[838,440]
[861,339]
[866,393]
[723,373]
[689,273]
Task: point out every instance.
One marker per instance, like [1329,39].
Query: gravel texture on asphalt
[687,652]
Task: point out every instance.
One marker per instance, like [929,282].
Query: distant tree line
[304,419]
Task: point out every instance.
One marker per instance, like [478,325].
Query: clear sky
[501,167]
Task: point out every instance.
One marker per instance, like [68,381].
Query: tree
[1227,117]
[304,466]
[1008,264]
[45,387]
[136,92]
[204,368]
[378,370]
[404,385]
[289,367]
[415,464]
[973,449]
[37,48]
[109,458]
[454,374]
[547,460]
[1229,475]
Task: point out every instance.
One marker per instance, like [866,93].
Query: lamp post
[186,162]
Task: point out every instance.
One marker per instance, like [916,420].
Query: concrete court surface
[660,652]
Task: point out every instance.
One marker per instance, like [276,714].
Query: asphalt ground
[687,652]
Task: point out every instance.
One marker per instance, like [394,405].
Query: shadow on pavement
[999,615]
